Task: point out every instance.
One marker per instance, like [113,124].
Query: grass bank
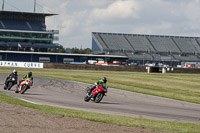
[110,119]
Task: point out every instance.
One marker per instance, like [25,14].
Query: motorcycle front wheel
[5,87]
[23,89]
[98,97]
[86,98]
[16,90]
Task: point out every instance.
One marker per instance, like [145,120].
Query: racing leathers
[12,75]
[25,78]
[98,84]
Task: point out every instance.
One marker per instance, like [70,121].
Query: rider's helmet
[29,74]
[14,71]
[104,79]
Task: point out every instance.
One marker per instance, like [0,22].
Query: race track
[69,94]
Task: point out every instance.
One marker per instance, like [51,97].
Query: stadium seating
[121,42]
[116,42]
[15,24]
[186,57]
[159,57]
[197,44]
[140,43]
[166,57]
[98,39]
[1,25]
[150,47]
[36,26]
[164,44]
[120,53]
[139,56]
[22,25]
[185,45]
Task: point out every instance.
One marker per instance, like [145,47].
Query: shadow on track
[31,94]
[108,103]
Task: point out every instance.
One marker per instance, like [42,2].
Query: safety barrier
[21,64]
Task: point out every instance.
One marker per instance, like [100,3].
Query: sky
[77,19]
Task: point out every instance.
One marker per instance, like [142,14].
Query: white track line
[29,101]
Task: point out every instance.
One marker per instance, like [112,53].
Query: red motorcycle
[24,86]
[96,95]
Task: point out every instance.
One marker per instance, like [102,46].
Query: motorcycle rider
[28,76]
[99,83]
[13,74]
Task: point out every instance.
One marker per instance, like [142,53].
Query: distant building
[142,49]
[25,31]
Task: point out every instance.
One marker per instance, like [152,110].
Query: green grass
[185,87]
[110,119]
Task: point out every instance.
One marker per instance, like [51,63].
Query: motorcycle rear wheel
[10,84]
[98,97]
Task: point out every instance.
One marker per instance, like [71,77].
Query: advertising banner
[21,64]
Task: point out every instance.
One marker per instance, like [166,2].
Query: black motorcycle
[12,80]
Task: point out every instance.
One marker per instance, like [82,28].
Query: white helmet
[15,71]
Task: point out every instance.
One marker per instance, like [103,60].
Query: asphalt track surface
[70,94]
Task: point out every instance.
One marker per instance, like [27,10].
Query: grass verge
[110,119]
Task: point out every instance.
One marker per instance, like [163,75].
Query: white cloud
[166,17]
[147,29]
[164,26]
[197,1]
[118,9]
[97,3]
[78,18]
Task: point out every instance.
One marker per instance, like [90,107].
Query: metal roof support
[34,6]
[3,5]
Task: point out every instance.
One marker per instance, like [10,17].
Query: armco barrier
[95,67]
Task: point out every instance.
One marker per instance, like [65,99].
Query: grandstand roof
[143,35]
[25,13]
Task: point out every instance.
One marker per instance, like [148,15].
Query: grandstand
[170,50]
[25,31]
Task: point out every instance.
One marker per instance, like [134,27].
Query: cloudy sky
[77,19]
